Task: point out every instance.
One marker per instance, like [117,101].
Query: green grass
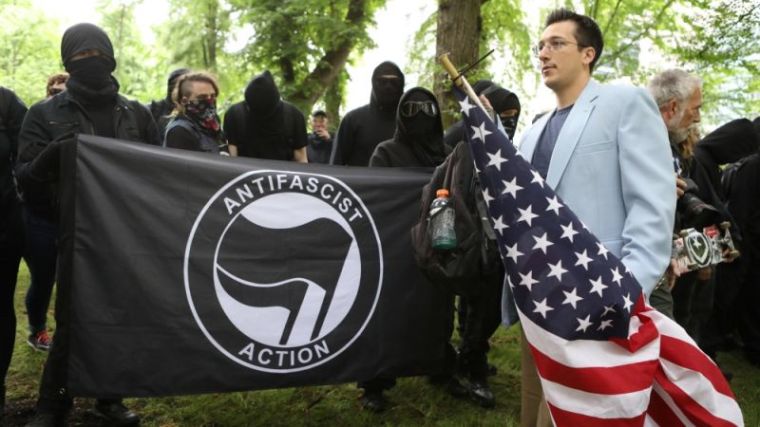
[414,402]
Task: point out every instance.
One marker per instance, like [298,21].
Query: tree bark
[332,62]
[458,34]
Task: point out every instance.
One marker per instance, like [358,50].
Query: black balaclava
[387,92]
[170,83]
[90,78]
[266,122]
[421,132]
[501,100]
[262,96]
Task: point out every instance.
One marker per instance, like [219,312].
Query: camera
[694,212]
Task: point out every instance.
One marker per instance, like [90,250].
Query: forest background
[322,52]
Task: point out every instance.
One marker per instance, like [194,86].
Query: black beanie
[82,37]
[500,98]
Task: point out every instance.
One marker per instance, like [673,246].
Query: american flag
[604,356]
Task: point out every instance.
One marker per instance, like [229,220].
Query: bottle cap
[442,192]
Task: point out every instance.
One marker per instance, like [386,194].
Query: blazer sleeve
[648,185]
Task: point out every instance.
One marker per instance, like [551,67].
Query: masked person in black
[196,126]
[417,142]
[264,126]
[90,105]
[735,294]
[12,112]
[363,128]
[161,109]
[504,103]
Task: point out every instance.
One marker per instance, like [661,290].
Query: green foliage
[29,50]
[295,39]
[137,70]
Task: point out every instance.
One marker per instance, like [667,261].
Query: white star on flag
[583,259]
[602,250]
[542,243]
[627,302]
[616,276]
[513,253]
[572,298]
[557,271]
[527,215]
[608,309]
[487,196]
[511,187]
[542,308]
[481,132]
[527,280]
[499,225]
[537,178]
[465,106]
[496,160]
[604,325]
[554,205]
[568,232]
[597,286]
[583,324]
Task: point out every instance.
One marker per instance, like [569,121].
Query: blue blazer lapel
[571,132]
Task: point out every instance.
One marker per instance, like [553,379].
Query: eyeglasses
[553,45]
[54,91]
[412,108]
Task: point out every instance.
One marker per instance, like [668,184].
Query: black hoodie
[362,129]
[264,126]
[726,144]
[411,148]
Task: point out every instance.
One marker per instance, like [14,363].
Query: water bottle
[441,222]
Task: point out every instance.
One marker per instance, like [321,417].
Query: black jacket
[726,144]
[12,111]
[362,129]
[62,115]
[744,205]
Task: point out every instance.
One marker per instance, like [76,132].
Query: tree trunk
[332,63]
[212,34]
[334,98]
[458,34]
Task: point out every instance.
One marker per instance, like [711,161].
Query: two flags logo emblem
[283,270]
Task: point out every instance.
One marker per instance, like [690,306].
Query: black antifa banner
[194,273]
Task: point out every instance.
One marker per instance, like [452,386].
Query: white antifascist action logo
[283,270]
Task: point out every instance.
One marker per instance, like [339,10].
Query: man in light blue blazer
[605,151]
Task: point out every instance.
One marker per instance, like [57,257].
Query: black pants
[11,251]
[381,383]
[734,309]
[54,396]
[479,317]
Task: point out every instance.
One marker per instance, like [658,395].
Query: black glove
[44,167]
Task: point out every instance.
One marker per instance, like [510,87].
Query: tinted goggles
[412,108]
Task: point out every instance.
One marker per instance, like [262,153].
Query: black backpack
[476,255]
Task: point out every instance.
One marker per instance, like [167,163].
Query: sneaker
[374,401]
[116,414]
[40,341]
[481,393]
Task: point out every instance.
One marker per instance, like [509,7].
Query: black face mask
[93,72]
[510,125]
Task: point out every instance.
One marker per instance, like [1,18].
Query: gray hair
[673,84]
